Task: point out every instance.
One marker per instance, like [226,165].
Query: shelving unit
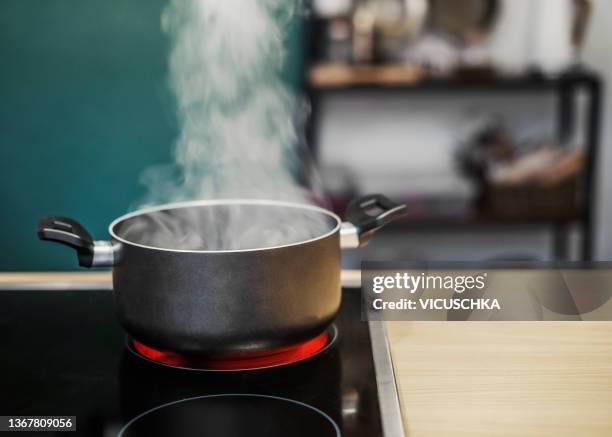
[405,79]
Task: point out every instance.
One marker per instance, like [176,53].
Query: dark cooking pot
[227,294]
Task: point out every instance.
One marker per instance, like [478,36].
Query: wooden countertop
[504,378]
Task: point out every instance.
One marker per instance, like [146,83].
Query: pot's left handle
[71,233]
[365,216]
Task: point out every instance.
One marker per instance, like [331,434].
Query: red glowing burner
[238,360]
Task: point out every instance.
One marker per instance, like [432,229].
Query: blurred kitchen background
[489,118]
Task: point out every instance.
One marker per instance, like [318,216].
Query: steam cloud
[238,130]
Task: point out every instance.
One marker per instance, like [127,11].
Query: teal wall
[84,107]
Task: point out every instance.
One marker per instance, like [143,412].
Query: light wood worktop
[504,378]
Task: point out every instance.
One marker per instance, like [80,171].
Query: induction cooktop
[64,355]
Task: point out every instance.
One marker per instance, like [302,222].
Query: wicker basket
[533,202]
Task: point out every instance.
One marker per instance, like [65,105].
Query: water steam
[238,130]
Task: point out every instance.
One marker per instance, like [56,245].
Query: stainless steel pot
[211,301]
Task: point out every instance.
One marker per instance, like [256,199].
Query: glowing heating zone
[237,360]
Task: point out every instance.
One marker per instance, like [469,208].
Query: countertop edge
[99,280]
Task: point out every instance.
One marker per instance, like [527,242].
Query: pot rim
[195,203]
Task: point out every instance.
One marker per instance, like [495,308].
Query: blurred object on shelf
[383,28]
[475,56]
[551,42]
[364,18]
[484,143]
[441,56]
[465,26]
[583,12]
[569,165]
[545,167]
[527,169]
[397,23]
[336,39]
[545,34]
[338,47]
[330,75]
[435,53]
[510,38]
[332,8]
[467,21]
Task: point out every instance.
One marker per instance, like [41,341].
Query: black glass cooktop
[63,354]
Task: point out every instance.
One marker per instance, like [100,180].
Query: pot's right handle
[365,216]
[71,233]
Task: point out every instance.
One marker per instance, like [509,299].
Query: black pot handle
[71,233]
[368,214]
